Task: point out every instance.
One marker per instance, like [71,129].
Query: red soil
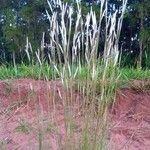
[130,126]
[39,105]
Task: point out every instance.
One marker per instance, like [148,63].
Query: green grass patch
[134,74]
[48,72]
[23,71]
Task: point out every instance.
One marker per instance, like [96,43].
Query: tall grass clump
[74,41]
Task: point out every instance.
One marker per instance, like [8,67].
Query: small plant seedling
[24,127]
[51,128]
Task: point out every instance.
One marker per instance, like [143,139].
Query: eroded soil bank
[32,113]
[130,120]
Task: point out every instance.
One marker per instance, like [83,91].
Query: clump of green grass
[96,79]
[47,72]
[27,71]
[134,74]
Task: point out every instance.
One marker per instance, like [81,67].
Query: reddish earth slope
[130,116]
[30,109]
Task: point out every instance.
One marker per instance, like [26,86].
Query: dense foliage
[20,19]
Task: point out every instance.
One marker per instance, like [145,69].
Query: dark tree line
[20,19]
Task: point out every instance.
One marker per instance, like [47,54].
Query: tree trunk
[141,46]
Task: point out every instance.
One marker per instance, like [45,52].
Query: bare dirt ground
[130,119]
[32,115]
[31,111]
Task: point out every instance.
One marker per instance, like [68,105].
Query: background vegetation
[20,19]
